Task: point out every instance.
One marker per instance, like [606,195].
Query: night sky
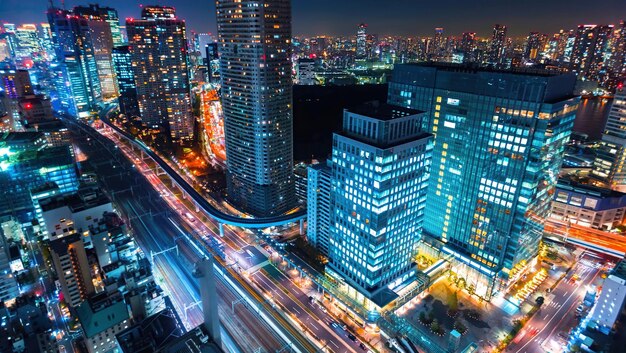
[401,17]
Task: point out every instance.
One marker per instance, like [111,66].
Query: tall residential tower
[255,48]
[158,47]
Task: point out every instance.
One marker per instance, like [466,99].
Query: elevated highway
[200,202]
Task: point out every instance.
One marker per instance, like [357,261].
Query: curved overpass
[200,201]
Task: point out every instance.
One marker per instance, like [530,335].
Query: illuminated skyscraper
[589,50]
[318,206]
[255,68]
[556,46]
[534,45]
[102,21]
[75,51]
[380,169]
[27,41]
[468,46]
[438,44]
[122,63]
[158,47]
[617,61]
[45,38]
[499,142]
[498,45]
[608,166]
[108,14]
[361,41]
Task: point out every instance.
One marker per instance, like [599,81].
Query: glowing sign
[452,101]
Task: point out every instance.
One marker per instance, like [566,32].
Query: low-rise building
[611,300]
[588,205]
[85,208]
[102,317]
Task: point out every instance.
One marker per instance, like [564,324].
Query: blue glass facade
[380,170]
[499,140]
[122,63]
[75,51]
[25,164]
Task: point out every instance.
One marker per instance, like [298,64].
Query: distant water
[591,117]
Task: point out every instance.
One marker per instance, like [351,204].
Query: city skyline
[440,177]
[408,19]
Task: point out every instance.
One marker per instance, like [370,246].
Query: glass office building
[26,164]
[499,141]
[123,65]
[75,52]
[380,170]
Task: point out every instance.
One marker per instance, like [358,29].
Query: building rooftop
[100,313]
[197,340]
[152,334]
[620,270]
[532,85]
[19,138]
[475,68]
[81,200]
[567,184]
[382,111]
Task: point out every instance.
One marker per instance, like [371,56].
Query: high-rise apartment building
[361,41]
[498,45]
[437,47]
[608,167]
[255,68]
[380,169]
[616,65]
[14,84]
[534,45]
[71,264]
[556,46]
[499,140]
[74,47]
[589,51]
[158,46]
[123,66]
[468,46]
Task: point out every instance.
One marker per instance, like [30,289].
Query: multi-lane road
[156,228]
[305,316]
[546,330]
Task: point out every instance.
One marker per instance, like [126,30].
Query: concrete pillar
[302,226]
[208,293]
[221,229]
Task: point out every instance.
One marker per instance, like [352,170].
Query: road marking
[334,344]
[554,316]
